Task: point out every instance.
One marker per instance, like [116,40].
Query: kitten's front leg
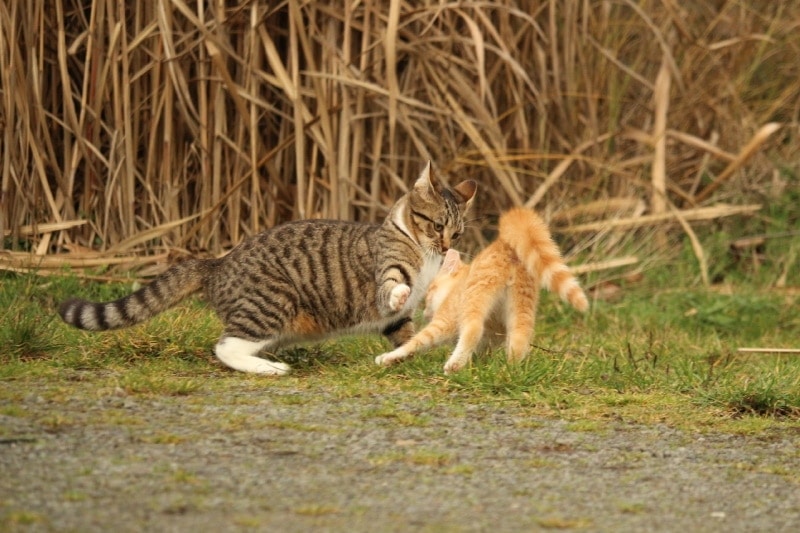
[458,360]
[469,337]
[395,356]
[436,332]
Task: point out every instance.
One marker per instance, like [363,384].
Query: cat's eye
[438,227]
[456,235]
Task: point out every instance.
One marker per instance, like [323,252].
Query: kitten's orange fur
[501,286]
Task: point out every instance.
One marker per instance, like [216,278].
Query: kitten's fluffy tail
[530,238]
[162,293]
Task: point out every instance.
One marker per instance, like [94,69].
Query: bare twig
[741,158]
[770,350]
[700,213]
[604,265]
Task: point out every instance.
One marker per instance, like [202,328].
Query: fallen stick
[76,273]
[46,227]
[769,350]
[700,213]
[604,265]
[741,158]
[9,260]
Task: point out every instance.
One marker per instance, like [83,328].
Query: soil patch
[295,460]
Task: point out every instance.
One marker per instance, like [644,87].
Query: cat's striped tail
[162,293]
[530,238]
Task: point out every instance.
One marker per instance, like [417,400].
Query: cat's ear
[466,190]
[427,183]
[452,261]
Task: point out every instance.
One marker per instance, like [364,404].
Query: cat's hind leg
[399,332]
[240,354]
[255,324]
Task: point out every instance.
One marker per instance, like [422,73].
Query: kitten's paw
[389,358]
[399,296]
[450,369]
[454,365]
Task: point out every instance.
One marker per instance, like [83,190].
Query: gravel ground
[301,460]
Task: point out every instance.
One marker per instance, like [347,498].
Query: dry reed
[134,127]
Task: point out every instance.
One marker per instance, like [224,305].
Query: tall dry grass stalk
[166,123]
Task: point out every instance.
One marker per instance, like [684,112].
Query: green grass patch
[654,355]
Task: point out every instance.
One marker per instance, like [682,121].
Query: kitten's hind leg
[240,354]
[521,319]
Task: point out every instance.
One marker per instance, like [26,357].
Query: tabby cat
[500,287]
[307,280]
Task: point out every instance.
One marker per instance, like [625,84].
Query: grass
[660,353]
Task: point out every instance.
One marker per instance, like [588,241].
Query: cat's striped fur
[500,287]
[308,279]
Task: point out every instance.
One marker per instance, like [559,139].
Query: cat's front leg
[399,296]
[394,289]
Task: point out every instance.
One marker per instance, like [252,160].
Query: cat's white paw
[238,354]
[399,296]
[272,368]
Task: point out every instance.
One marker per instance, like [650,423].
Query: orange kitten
[500,285]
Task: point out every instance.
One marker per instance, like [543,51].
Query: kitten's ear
[427,183]
[452,261]
[466,190]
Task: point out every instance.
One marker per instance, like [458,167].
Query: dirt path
[291,460]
